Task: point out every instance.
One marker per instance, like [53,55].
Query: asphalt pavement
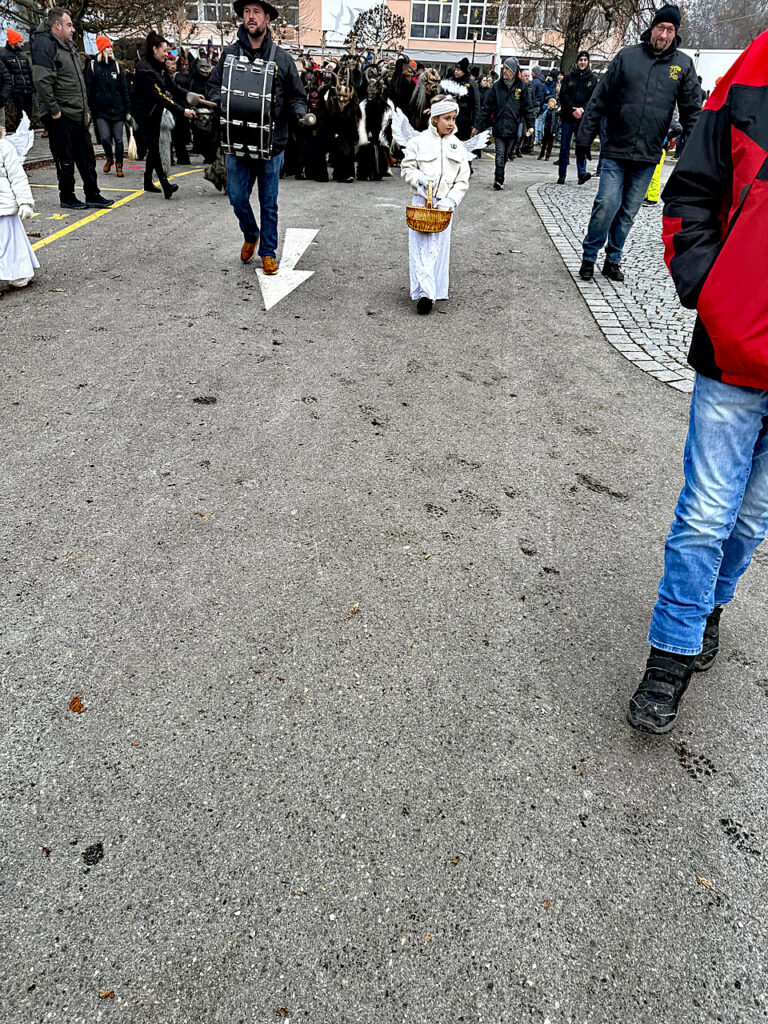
[319,629]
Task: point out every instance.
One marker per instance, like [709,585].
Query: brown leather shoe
[248,251]
[107,166]
[119,170]
[269,264]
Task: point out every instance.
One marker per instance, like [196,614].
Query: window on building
[477,20]
[216,12]
[431,20]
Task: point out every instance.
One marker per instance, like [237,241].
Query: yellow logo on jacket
[674,72]
[517,94]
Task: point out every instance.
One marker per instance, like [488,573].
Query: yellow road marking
[86,220]
[59,216]
[99,213]
[101,190]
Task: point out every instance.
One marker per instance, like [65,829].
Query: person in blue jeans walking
[637,97]
[716,247]
[575,93]
[254,40]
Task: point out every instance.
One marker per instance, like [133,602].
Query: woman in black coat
[153,92]
[107,89]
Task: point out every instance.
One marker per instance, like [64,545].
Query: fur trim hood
[453,88]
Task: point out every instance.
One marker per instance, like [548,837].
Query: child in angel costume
[438,157]
[17,259]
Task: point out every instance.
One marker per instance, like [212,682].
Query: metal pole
[474,46]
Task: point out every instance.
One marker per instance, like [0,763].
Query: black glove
[583,153]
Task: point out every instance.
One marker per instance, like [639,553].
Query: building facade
[439,31]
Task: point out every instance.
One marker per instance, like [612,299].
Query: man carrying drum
[258,88]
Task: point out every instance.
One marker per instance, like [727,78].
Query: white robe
[429,257]
[444,161]
[17,258]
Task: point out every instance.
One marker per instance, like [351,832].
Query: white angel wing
[479,141]
[402,129]
[23,138]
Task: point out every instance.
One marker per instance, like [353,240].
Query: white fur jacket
[14,187]
[443,161]
[362,128]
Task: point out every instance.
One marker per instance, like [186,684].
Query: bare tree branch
[377,29]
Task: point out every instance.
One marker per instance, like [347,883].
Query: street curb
[606,302]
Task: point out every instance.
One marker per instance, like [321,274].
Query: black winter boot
[711,644]
[612,271]
[653,706]
[587,270]
[149,186]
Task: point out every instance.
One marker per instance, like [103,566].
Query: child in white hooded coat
[434,155]
[17,258]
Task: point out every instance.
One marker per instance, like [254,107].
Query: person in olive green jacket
[63,102]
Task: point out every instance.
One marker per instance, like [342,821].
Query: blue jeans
[107,130]
[504,146]
[567,131]
[539,125]
[721,515]
[623,184]
[242,175]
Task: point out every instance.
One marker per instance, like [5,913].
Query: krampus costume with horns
[343,118]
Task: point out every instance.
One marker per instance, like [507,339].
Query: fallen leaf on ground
[106,993]
[705,882]
[547,904]
[353,611]
[282,1011]
[427,937]
[454,860]
[76,705]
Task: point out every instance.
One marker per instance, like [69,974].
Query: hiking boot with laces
[654,704]
[711,644]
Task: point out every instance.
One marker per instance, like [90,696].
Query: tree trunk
[573,34]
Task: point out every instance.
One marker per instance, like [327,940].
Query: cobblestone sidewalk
[642,318]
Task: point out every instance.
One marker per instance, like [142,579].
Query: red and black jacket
[716,226]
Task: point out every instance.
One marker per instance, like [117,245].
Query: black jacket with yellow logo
[637,95]
[504,108]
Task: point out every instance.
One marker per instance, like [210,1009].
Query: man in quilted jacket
[716,243]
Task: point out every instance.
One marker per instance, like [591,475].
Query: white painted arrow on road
[277,286]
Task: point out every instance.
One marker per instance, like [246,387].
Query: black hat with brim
[239,5]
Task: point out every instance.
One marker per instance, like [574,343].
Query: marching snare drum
[246,106]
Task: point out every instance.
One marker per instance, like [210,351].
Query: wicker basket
[427,219]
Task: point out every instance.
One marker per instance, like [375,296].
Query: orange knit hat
[102,42]
[14,36]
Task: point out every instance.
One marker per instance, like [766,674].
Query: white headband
[443,107]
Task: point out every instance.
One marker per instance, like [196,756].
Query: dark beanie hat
[582,53]
[669,14]
[463,64]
